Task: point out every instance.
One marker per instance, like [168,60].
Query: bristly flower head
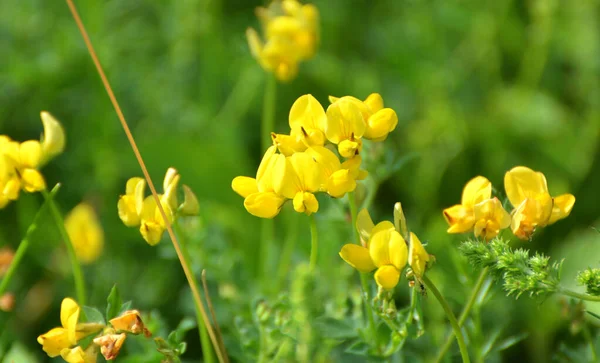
[291,35]
[135,210]
[20,162]
[534,207]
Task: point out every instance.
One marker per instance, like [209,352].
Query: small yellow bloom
[85,232]
[261,200]
[490,218]
[308,117]
[78,355]
[53,139]
[56,340]
[153,225]
[379,121]
[130,204]
[110,345]
[291,36]
[386,251]
[461,217]
[298,177]
[335,179]
[527,191]
[417,256]
[345,126]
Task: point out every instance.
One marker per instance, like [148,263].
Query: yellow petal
[374,102]
[460,218]
[85,232]
[69,315]
[286,71]
[74,355]
[364,224]
[307,113]
[490,218]
[340,183]
[380,124]
[54,341]
[387,277]
[562,206]
[305,202]
[132,184]
[387,247]
[350,148]
[263,204]
[475,191]
[417,256]
[130,321]
[32,180]
[152,232]
[30,154]
[264,174]
[171,177]
[308,171]
[326,159]
[383,226]
[357,257]
[244,186]
[127,211]
[170,195]
[521,182]
[190,206]
[344,121]
[53,139]
[288,144]
[398,250]
[256,45]
[12,188]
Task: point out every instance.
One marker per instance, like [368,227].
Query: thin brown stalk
[213,315]
[113,99]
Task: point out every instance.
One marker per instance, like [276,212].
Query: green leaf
[114,303]
[593,314]
[358,348]
[335,329]
[181,348]
[509,342]
[93,315]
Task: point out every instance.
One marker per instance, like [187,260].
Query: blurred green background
[479,87]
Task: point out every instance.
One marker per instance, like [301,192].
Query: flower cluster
[291,32]
[20,161]
[383,248]
[136,210]
[63,340]
[85,232]
[528,193]
[301,163]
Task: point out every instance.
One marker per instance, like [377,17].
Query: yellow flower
[85,232]
[379,121]
[335,179]
[261,200]
[63,338]
[298,177]
[78,355]
[53,139]
[461,217]
[490,218]
[527,191]
[417,256]
[345,126]
[135,210]
[291,32]
[386,251]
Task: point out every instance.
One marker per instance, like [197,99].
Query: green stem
[590,341]
[363,276]
[207,353]
[24,245]
[288,251]
[314,242]
[450,315]
[577,295]
[267,126]
[75,266]
[465,313]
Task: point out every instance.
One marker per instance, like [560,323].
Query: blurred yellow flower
[490,218]
[135,210]
[85,232]
[527,191]
[53,138]
[461,217]
[379,121]
[260,198]
[60,340]
[386,251]
[78,355]
[291,32]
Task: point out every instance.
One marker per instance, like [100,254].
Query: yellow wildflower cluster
[20,161]
[63,340]
[291,33]
[526,190]
[301,163]
[85,232]
[383,248]
[136,210]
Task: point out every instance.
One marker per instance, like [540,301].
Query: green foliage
[514,268]
[590,278]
